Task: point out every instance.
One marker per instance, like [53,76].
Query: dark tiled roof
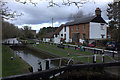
[83,20]
[49,35]
[59,29]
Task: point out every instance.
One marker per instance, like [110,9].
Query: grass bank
[12,67]
[72,53]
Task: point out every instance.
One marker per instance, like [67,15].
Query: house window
[77,27]
[61,34]
[72,28]
[83,27]
[64,36]
[65,28]
[102,35]
[102,26]
[83,36]
[55,35]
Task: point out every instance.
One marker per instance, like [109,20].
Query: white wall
[67,34]
[81,41]
[46,39]
[57,39]
[95,31]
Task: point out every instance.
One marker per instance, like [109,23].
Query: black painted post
[47,64]
[97,51]
[8,41]
[40,67]
[68,46]
[83,48]
[30,69]
[75,47]
[94,51]
[113,54]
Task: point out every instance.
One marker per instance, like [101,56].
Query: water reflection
[32,58]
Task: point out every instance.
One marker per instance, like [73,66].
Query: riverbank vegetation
[12,67]
[10,30]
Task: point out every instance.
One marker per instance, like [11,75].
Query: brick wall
[80,30]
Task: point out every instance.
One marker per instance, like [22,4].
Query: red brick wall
[81,31]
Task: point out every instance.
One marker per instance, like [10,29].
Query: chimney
[98,12]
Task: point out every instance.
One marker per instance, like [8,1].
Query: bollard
[103,58]
[12,58]
[40,67]
[47,64]
[94,58]
[30,69]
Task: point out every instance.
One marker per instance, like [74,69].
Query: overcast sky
[41,16]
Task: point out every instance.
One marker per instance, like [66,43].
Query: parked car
[112,45]
[93,44]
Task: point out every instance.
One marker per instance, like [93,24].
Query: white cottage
[86,28]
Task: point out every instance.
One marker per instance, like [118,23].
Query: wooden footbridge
[46,74]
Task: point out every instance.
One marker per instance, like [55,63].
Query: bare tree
[7,13]
[53,3]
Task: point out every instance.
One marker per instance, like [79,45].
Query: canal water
[32,58]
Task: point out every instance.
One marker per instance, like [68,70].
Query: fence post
[47,64]
[68,46]
[75,47]
[113,54]
[94,58]
[84,48]
[94,51]
[60,62]
[8,41]
[13,42]
[103,58]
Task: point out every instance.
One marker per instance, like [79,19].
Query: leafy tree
[10,30]
[114,17]
[45,31]
[27,32]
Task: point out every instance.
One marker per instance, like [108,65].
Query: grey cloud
[42,14]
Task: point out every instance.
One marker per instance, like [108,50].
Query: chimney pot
[98,12]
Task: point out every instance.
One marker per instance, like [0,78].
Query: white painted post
[60,62]
[94,58]
[103,58]
[49,62]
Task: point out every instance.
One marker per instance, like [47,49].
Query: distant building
[49,37]
[34,33]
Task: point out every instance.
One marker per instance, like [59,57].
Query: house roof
[83,20]
[49,35]
[59,29]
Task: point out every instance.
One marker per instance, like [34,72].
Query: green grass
[12,67]
[64,53]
